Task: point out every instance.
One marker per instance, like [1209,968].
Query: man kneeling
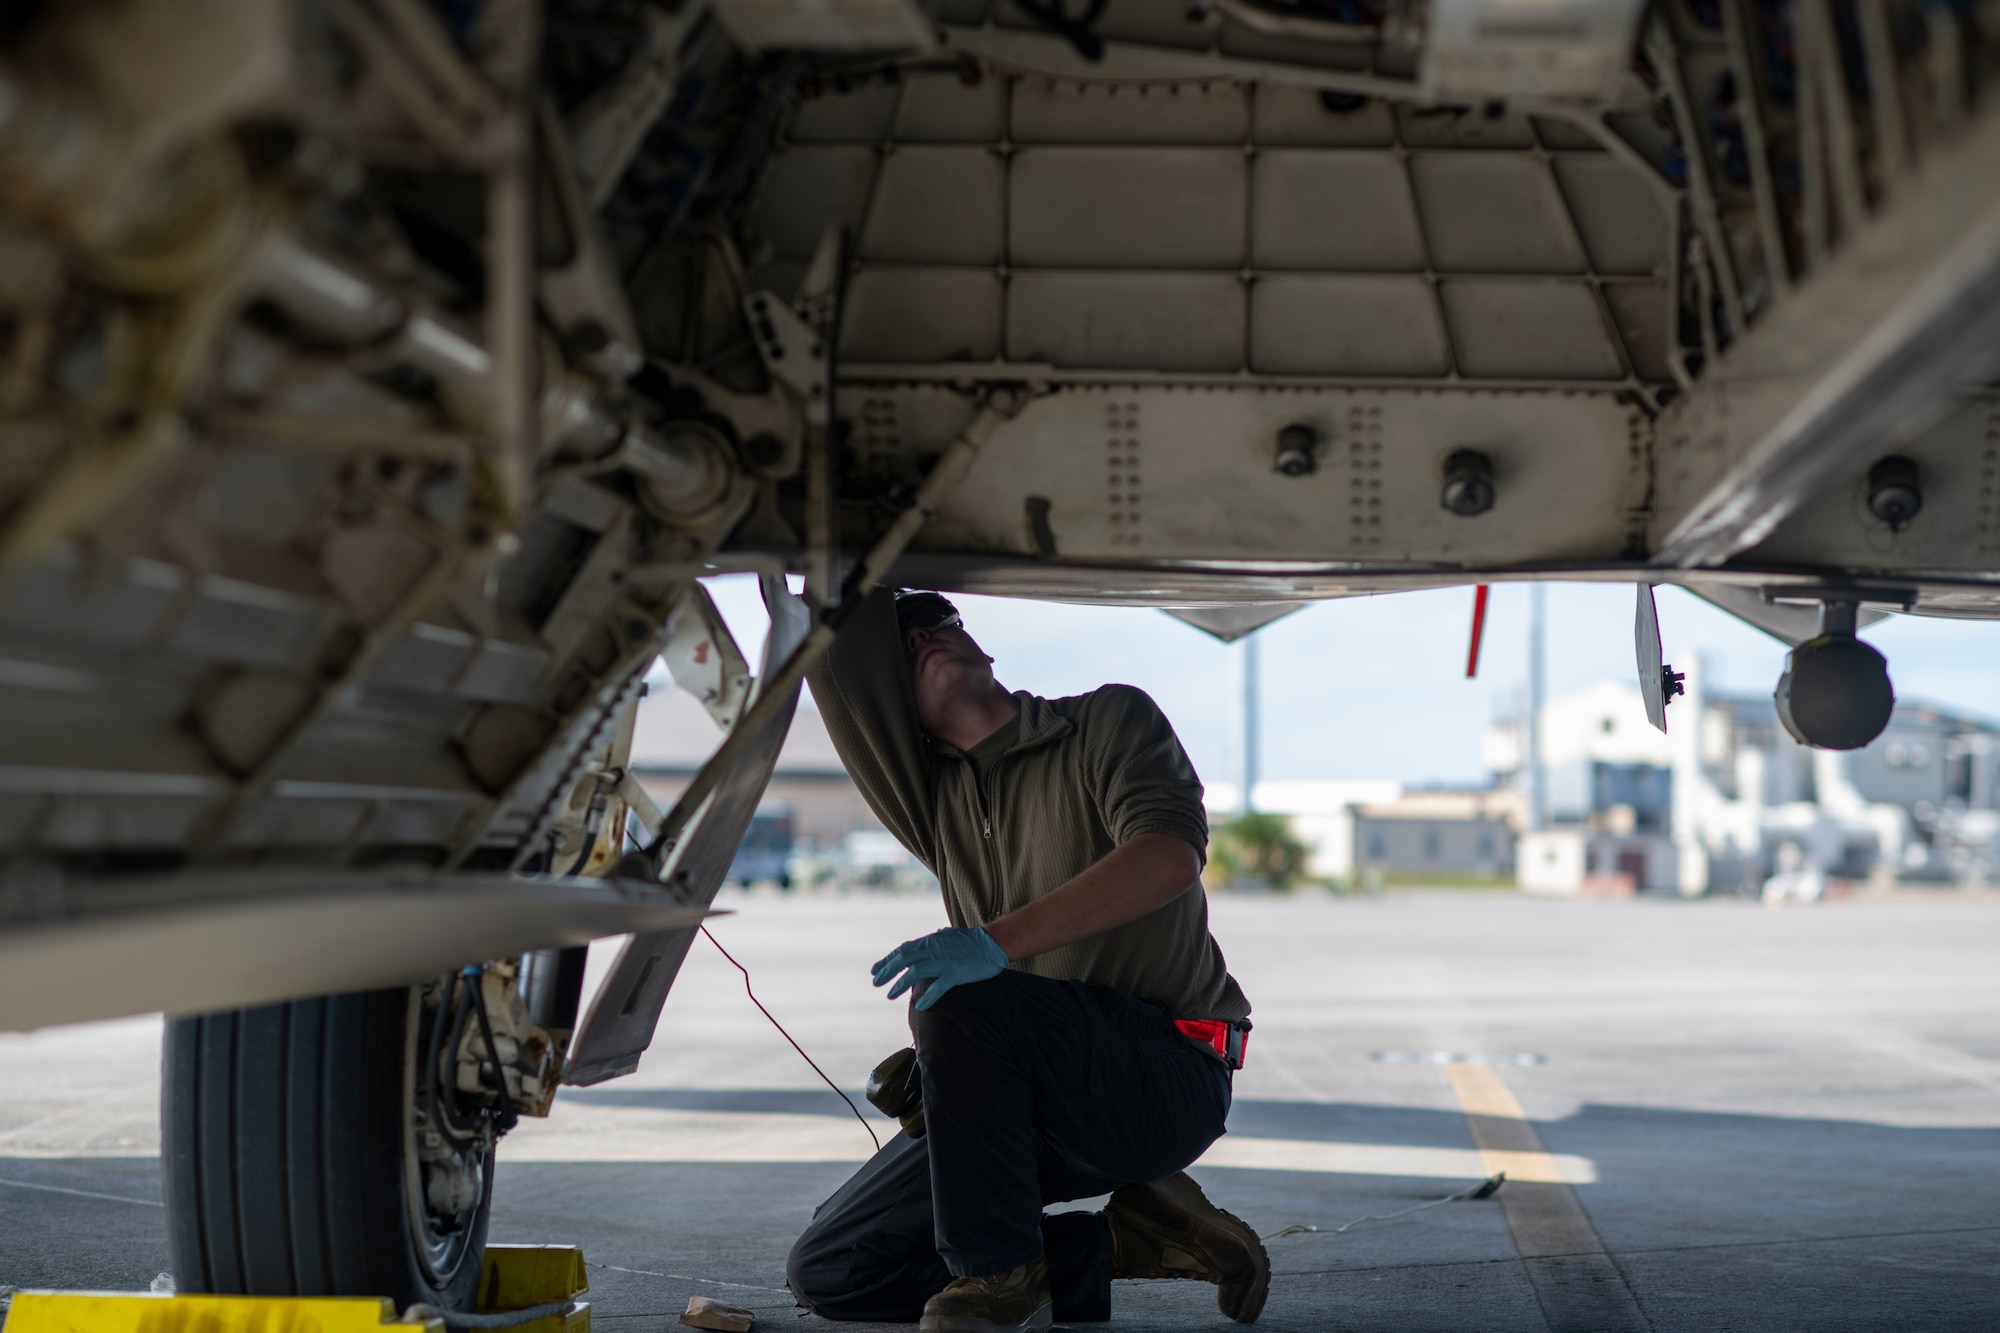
[1075,1027]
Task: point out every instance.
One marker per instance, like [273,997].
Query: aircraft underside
[377,379]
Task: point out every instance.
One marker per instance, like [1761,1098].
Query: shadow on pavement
[1717,1222]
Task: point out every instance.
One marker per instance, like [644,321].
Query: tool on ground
[1485,1189]
[711,1314]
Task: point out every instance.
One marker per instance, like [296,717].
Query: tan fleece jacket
[1083,775]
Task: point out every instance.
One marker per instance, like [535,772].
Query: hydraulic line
[60,154]
[421,1314]
[334,298]
[1294,24]
[461,1015]
[508,1116]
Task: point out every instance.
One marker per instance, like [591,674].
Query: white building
[1321,814]
[1353,824]
[1726,799]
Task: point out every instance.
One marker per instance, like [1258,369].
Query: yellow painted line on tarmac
[1507,1141]
[1580,1288]
[1481,1091]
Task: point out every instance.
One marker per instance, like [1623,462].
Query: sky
[1375,687]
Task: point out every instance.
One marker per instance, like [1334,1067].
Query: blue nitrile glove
[955,956]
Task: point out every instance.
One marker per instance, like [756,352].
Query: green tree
[1258,847]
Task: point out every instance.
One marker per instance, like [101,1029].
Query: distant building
[810,790]
[1449,834]
[1353,826]
[1321,814]
[1609,797]
[1726,800]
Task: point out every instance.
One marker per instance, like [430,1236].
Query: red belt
[1227,1040]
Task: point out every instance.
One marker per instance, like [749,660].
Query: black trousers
[1035,1092]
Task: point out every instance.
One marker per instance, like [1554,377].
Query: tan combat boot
[996,1303]
[1169,1229]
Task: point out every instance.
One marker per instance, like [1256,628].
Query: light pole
[1250,655]
[1537,780]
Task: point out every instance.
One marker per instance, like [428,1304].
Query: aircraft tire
[290,1162]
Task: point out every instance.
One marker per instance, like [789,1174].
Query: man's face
[943,662]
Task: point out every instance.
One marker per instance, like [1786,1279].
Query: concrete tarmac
[1713,1116]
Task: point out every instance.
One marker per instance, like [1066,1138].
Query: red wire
[1478,631]
[788,1037]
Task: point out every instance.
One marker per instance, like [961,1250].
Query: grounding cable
[423,1314]
[1485,1189]
[788,1037]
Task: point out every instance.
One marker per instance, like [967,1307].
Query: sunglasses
[949,620]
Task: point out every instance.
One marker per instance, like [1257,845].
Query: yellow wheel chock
[515,1277]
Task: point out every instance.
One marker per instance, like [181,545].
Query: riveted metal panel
[1958,528]
[1623,225]
[1641,313]
[1304,118]
[1461,199]
[807,188]
[1458,126]
[922,315]
[1346,325]
[1319,209]
[1529,329]
[1168,208]
[937,206]
[1493,213]
[1564,134]
[1135,470]
[1158,113]
[947,109]
[1155,321]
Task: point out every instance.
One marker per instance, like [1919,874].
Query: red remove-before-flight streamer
[1478,631]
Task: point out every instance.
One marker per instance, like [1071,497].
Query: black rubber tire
[283,1146]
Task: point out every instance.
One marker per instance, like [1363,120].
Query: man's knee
[832,1276]
[980,1009]
[869,1251]
[812,1280]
